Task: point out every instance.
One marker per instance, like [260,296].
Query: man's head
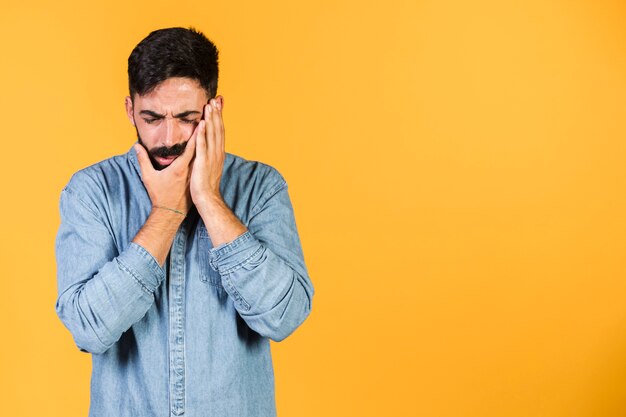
[172,73]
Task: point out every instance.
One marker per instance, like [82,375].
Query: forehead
[174,94]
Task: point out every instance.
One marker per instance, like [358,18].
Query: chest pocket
[207,273]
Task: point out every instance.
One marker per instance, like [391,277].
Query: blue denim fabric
[191,338]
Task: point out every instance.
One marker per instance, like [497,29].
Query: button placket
[177,323]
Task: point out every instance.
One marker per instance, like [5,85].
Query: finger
[223,129]
[201,139]
[190,148]
[144,160]
[187,155]
[219,130]
[210,129]
[191,164]
[208,108]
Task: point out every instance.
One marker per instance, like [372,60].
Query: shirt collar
[132,156]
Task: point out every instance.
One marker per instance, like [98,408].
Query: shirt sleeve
[101,292]
[263,270]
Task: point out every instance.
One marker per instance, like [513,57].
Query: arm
[263,270]
[101,292]
[262,266]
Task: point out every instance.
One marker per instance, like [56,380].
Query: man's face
[166,118]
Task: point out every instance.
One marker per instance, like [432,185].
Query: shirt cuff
[142,266]
[232,255]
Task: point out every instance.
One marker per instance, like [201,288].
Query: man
[177,262]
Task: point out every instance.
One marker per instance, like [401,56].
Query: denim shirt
[192,337]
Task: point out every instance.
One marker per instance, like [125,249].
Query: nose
[172,132]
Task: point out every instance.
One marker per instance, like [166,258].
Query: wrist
[173,210]
[164,218]
[209,204]
[157,233]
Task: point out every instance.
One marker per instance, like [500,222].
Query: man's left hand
[210,154]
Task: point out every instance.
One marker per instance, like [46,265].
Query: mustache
[165,151]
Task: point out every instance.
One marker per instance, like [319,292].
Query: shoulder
[242,169]
[250,183]
[98,180]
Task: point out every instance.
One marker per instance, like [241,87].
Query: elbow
[283,330]
[90,345]
[294,314]
[277,325]
[85,338]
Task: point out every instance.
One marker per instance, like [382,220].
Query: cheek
[149,135]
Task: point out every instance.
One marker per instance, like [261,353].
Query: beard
[162,151]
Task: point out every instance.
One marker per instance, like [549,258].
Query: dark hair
[172,52]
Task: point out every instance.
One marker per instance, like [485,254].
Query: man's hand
[170,186]
[210,155]
[221,223]
[169,193]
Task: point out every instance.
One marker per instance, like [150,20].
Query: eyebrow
[161,116]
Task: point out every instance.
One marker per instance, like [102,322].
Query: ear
[129,110]
[221,100]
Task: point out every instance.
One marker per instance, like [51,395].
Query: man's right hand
[169,187]
[169,193]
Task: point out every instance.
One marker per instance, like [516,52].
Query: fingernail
[210,108]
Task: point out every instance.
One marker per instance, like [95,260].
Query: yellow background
[457,170]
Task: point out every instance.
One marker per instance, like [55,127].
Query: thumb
[190,149]
[143,159]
